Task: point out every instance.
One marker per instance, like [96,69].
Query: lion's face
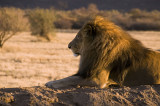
[83,39]
[76,44]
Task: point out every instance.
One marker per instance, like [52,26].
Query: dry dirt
[27,63]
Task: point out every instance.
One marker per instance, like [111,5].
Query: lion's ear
[90,30]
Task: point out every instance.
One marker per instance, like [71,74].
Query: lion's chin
[76,55]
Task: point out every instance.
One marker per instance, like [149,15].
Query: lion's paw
[52,84]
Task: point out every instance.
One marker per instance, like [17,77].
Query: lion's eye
[78,37]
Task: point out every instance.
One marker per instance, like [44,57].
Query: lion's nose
[69,46]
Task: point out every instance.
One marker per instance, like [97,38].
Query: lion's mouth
[76,54]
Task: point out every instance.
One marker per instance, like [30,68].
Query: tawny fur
[105,46]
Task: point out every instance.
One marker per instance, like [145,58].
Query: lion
[110,56]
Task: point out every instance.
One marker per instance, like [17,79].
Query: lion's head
[84,37]
[79,43]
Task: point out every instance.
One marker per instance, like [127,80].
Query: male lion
[110,56]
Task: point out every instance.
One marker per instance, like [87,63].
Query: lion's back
[144,72]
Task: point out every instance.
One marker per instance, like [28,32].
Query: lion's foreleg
[62,83]
[101,79]
[70,82]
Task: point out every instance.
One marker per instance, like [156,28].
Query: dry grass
[27,61]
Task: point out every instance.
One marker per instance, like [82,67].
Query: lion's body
[109,56]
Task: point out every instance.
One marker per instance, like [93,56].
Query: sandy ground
[27,61]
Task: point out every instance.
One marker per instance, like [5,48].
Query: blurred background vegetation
[46,19]
[43,22]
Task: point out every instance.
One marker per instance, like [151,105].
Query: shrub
[63,23]
[144,20]
[41,22]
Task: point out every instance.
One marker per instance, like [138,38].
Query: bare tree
[8,25]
